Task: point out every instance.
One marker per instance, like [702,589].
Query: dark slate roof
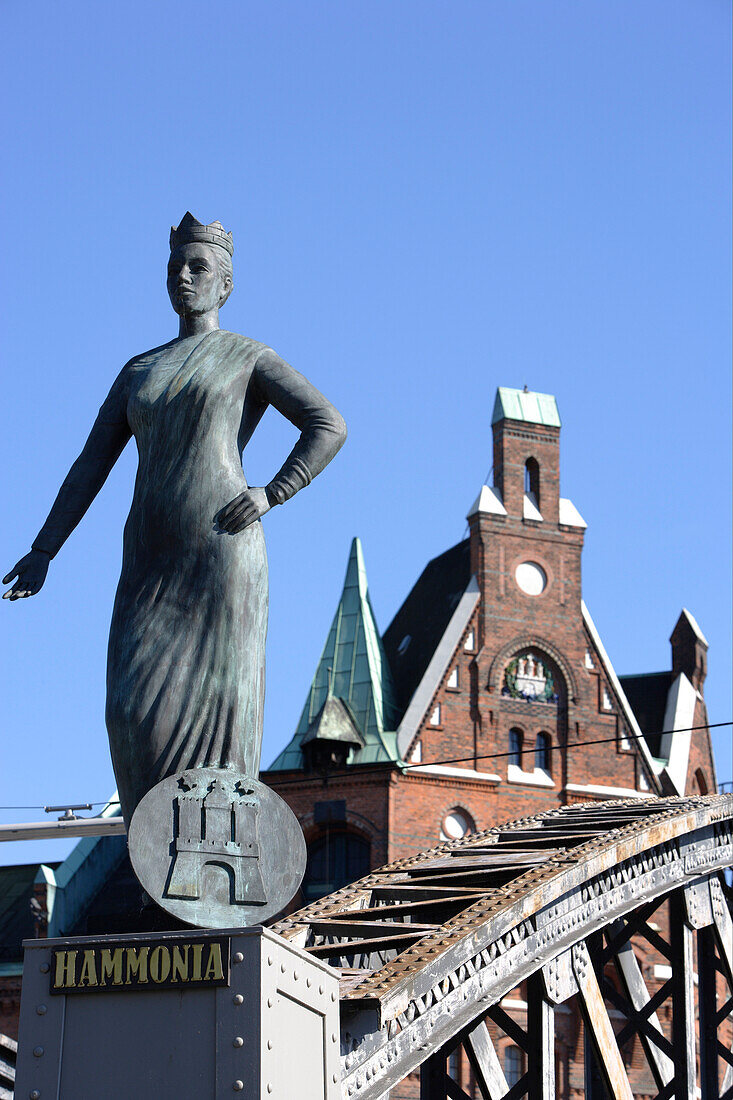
[647,694]
[424,616]
[16,920]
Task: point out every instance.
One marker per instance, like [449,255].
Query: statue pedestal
[199,1014]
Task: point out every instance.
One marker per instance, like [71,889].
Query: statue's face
[194,282]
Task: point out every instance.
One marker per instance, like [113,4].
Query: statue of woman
[186,658]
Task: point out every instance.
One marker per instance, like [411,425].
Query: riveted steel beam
[522,897]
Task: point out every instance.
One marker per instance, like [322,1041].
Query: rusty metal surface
[515,896]
[613,832]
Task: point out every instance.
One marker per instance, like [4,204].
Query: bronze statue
[186,659]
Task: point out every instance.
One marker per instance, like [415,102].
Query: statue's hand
[30,572]
[247,508]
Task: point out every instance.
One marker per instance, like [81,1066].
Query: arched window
[512,1065]
[542,752]
[334,860]
[532,480]
[515,747]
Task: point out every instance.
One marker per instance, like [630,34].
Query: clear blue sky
[428,199]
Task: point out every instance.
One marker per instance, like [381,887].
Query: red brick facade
[467,718]
[458,753]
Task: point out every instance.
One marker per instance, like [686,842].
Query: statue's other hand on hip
[245,509]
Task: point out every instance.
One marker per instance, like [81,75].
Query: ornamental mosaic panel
[529,676]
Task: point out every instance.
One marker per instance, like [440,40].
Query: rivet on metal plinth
[238,999]
[282,968]
[238,1086]
[238,1041]
[269,1044]
[237,957]
[295,975]
[269,1002]
[44,968]
[34,1094]
[334,1037]
[333,996]
[269,1087]
[38,1052]
[41,1010]
[335,1078]
[269,960]
[320,989]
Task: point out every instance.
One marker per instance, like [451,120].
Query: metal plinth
[171,1022]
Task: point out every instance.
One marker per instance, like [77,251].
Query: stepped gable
[423,618]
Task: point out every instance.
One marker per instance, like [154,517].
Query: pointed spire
[353,663]
[353,668]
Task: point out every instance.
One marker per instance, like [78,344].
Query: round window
[456,825]
[531,578]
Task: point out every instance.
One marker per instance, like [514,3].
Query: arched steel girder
[428,947]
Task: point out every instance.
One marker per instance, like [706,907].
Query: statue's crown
[189,229]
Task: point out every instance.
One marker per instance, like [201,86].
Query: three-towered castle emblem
[216,829]
[216,848]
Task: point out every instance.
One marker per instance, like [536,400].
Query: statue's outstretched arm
[86,477]
[322,434]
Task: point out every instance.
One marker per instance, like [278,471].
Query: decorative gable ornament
[528,677]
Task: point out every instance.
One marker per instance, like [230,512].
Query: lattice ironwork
[428,947]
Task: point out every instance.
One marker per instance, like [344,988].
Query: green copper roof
[533,408]
[353,667]
[334,722]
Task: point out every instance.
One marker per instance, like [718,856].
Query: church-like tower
[490,695]
[494,698]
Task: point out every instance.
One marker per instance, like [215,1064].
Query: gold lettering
[180,964]
[88,974]
[160,964]
[65,977]
[137,965]
[105,967]
[214,968]
[111,966]
[197,951]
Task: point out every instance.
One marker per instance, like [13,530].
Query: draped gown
[186,658]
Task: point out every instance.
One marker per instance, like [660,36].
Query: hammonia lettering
[163,964]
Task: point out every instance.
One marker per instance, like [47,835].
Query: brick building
[489,697]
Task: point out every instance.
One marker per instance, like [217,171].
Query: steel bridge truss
[428,947]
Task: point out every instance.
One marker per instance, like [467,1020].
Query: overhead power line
[366,768]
